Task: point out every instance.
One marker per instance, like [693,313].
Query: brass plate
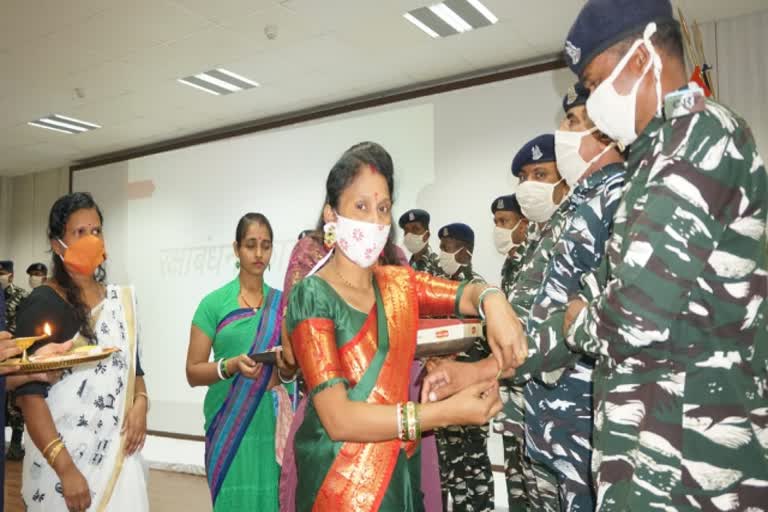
[57,364]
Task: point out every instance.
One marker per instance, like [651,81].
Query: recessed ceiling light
[63,124]
[219,82]
[451,17]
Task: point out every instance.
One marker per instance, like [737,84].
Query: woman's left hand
[446,377]
[245,366]
[504,331]
[135,426]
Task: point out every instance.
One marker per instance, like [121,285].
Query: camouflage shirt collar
[13,290]
[644,140]
[598,178]
[517,255]
[427,255]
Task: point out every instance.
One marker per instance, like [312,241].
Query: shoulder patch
[683,103]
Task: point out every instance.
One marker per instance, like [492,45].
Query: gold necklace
[336,269]
[261,302]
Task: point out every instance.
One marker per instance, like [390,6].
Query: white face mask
[362,242]
[414,243]
[35,281]
[615,114]
[5,281]
[535,198]
[569,161]
[502,238]
[449,263]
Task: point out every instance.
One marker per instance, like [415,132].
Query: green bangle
[418,422]
[224,371]
[403,422]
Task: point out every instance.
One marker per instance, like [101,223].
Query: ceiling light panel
[64,124]
[219,82]
[451,17]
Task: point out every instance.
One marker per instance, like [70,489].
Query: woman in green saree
[353,330]
[244,400]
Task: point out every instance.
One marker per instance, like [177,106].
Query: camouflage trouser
[558,433]
[543,483]
[14,418]
[514,460]
[517,469]
[465,468]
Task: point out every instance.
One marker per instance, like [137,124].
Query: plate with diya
[36,363]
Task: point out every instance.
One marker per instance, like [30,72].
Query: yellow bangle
[48,446]
[55,453]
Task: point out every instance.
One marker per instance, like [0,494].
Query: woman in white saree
[87,430]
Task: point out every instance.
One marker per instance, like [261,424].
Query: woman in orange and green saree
[353,325]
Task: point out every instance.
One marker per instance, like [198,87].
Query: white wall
[742,71]
[736,48]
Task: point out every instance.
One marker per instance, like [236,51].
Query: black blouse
[41,306]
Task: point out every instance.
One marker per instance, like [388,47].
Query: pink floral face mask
[362,242]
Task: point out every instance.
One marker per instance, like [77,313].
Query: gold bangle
[146,397]
[48,446]
[418,421]
[411,415]
[55,453]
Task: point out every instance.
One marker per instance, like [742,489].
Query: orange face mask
[84,256]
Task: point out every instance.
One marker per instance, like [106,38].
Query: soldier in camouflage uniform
[509,236]
[13,296]
[415,226]
[536,168]
[464,462]
[679,329]
[510,230]
[558,390]
[543,198]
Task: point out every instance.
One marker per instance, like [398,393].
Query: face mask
[502,237]
[361,242]
[35,281]
[449,263]
[569,161]
[535,200]
[615,114]
[414,243]
[5,281]
[84,256]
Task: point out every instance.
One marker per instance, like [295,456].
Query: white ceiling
[127,54]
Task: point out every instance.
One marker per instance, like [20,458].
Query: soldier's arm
[669,242]
[579,252]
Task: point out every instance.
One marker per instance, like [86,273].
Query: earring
[329,239]
[237,264]
[269,266]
